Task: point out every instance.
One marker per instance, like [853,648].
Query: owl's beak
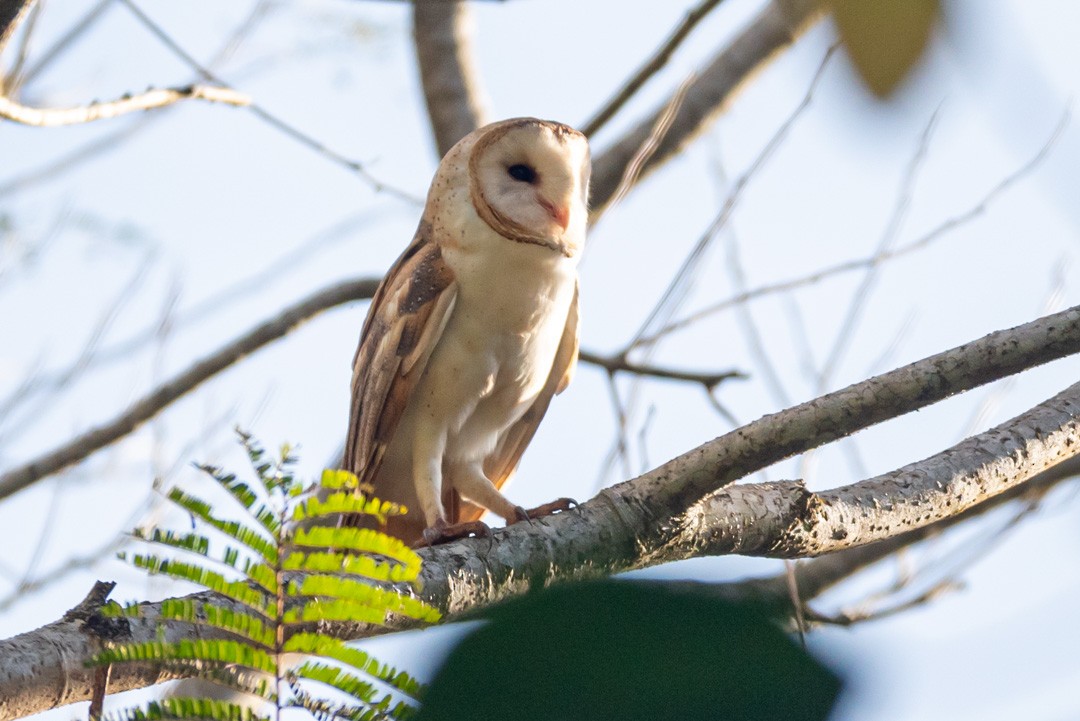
[559,213]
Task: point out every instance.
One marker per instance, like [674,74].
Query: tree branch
[153,403]
[443,36]
[652,66]
[151,99]
[775,28]
[633,526]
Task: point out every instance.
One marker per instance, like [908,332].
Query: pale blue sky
[213,196]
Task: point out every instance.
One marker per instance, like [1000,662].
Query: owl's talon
[559,505]
[520,514]
[443,532]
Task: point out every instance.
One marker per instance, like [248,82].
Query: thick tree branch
[443,35]
[681,510]
[151,99]
[774,29]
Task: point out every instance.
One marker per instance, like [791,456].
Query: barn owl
[473,330]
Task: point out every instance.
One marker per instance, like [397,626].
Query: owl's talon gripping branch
[443,532]
[559,505]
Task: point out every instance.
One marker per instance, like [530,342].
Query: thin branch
[651,66]
[845,335]
[775,28]
[442,34]
[269,118]
[150,100]
[613,364]
[941,230]
[61,45]
[12,13]
[114,140]
[160,398]
[9,80]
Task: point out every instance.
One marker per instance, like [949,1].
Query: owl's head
[529,180]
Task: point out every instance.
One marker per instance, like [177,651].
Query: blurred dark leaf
[622,650]
[885,38]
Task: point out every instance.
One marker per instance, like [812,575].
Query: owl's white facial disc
[530,182]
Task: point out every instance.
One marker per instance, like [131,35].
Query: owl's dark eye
[521,172]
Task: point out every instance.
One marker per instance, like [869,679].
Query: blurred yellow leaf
[885,38]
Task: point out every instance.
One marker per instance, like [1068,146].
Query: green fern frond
[257,542]
[346,502]
[359,593]
[337,678]
[244,494]
[358,540]
[227,619]
[316,644]
[204,651]
[192,542]
[322,710]
[347,563]
[236,590]
[189,708]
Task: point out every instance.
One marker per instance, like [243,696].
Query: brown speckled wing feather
[502,463]
[407,316]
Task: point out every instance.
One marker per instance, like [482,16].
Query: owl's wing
[407,316]
[502,462]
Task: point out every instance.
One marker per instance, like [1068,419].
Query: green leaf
[338,479]
[315,644]
[628,651]
[337,678]
[210,614]
[216,651]
[346,502]
[243,493]
[265,547]
[885,38]
[349,563]
[184,707]
[358,540]
[236,590]
[359,593]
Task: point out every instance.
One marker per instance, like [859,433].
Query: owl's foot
[557,506]
[443,532]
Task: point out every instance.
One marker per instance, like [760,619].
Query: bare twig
[920,243]
[651,66]
[151,99]
[613,364]
[153,403]
[114,140]
[267,117]
[776,27]
[60,46]
[845,335]
[648,148]
[442,35]
[12,13]
[679,285]
[9,80]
